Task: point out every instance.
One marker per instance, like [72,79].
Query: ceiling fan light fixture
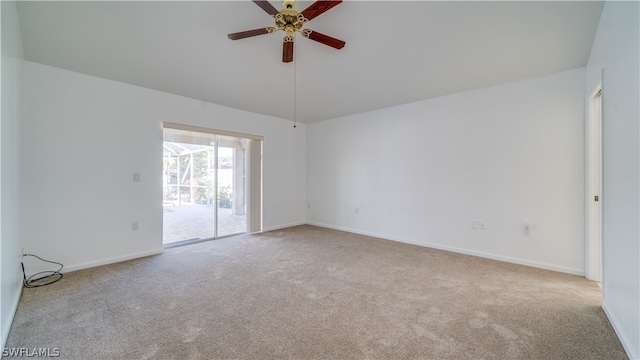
[291,21]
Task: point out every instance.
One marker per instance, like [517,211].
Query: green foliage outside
[224,197]
[203,191]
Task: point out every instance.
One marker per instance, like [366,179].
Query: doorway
[594,194]
[205,181]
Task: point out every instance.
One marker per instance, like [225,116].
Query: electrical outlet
[136,177]
[356,210]
[309,205]
[134,225]
[478,225]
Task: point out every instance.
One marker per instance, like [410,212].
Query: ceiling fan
[290,21]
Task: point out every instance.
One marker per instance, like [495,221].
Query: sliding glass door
[230,186]
[204,185]
[188,198]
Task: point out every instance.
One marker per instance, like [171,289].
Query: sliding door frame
[253,186]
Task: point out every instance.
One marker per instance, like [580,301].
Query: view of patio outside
[191,222]
[189,192]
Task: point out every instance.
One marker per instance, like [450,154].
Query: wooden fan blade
[266,6]
[325,39]
[319,7]
[287,51]
[248,33]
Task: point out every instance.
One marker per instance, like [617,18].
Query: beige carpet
[312,293]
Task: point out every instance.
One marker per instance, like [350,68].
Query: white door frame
[593,185]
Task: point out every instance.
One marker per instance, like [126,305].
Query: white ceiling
[396,52]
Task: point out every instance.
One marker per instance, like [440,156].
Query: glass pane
[188,192]
[232,218]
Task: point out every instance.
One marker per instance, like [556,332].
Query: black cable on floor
[29,283]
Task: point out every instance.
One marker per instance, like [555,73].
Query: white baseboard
[540,265]
[633,354]
[278,227]
[111,260]
[6,326]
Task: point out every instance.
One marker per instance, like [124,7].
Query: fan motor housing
[289,20]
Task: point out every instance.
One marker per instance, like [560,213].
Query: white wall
[84,137]
[422,172]
[616,49]
[10,213]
